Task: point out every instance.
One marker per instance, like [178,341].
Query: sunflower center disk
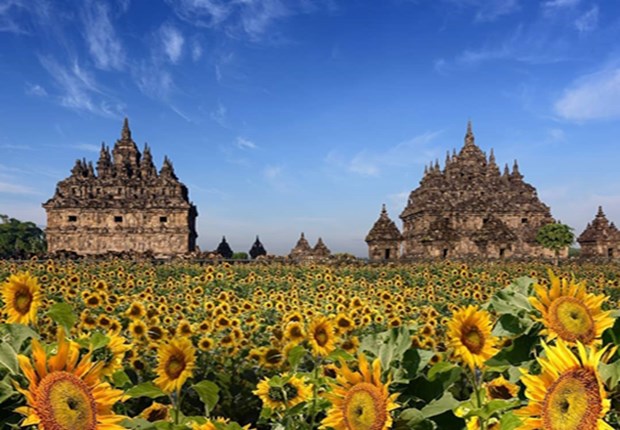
[22,301]
[66,402]
[321,337]
[473,339]
[175,366]
[364,408]
[573,402]
[571,319]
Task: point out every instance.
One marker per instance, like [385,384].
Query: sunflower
[66,394]
[359,399]
[281,392]
[176,362]
[156,412]
[322,336]
[569,312]
[500,388]
[112,354]
[21,295]
[294,332]
[568,394]
[469,333]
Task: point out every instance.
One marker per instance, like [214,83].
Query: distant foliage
[240,256]
[20,239]
[555,236]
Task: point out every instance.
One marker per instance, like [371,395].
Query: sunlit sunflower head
[282,392]
[176,362]
[294,332]
[469,334]
[66,392]
[500,388]
[216,424]
[322,336]
[568,394]
[360,401]
[22,297]
[156,412]
[111,355]
[569,312]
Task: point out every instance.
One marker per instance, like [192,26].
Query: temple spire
[469,136]
[126,132]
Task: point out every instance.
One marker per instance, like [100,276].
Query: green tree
[556,237]
[20,239]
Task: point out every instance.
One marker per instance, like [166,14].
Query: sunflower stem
[477,386]
[317,364]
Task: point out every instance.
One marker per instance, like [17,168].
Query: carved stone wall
[468,209]
[126,206]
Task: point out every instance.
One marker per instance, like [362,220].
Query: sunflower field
[118,344]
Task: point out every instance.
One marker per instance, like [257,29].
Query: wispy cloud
[592,97]
[492,10]
[172,42]
[104,45]
[80,90]
[10,11]
[371,163]
[196,50]
[88,147]
[153,80]
[588,21]
[8,188]
[554,4]
[35,90]
[244,143]
[219,115]
[238,18]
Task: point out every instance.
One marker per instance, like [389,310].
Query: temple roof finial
[126,132]
[600,212]
[469,136]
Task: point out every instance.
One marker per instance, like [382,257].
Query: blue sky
[307,115]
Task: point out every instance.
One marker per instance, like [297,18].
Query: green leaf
[8,358]
[62,314]
[414,360]
[446,403]
[6,390]
[146,389]
[208,393]
[509,421]
[295,355]
[610,374]
[120,379]
[98,340]
[17,334]
[339,354]
[137,424]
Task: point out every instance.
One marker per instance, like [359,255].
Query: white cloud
[79,89]
[172,42]
[592,97]
[244,143]
[492,10]
[370,163]
[154,81]
[8,188]
[250,18]
[9,12]
[588,21]
[196,50]
[560,3]
[219,114]
[88,147]
[556,135]
[103,43]
[35,90]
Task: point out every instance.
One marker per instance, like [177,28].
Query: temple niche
[126,205]
[600,239]
[468,209]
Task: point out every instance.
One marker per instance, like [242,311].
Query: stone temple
[125,206]
[468,209]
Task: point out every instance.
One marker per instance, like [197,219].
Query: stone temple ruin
[468,209]
[126,206]
[600,239]
[304,252]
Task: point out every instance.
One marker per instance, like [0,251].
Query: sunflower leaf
[16,334]
[295,355]
[62,314]
[8,358]
[146,389]
[208,393]
[445,403]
